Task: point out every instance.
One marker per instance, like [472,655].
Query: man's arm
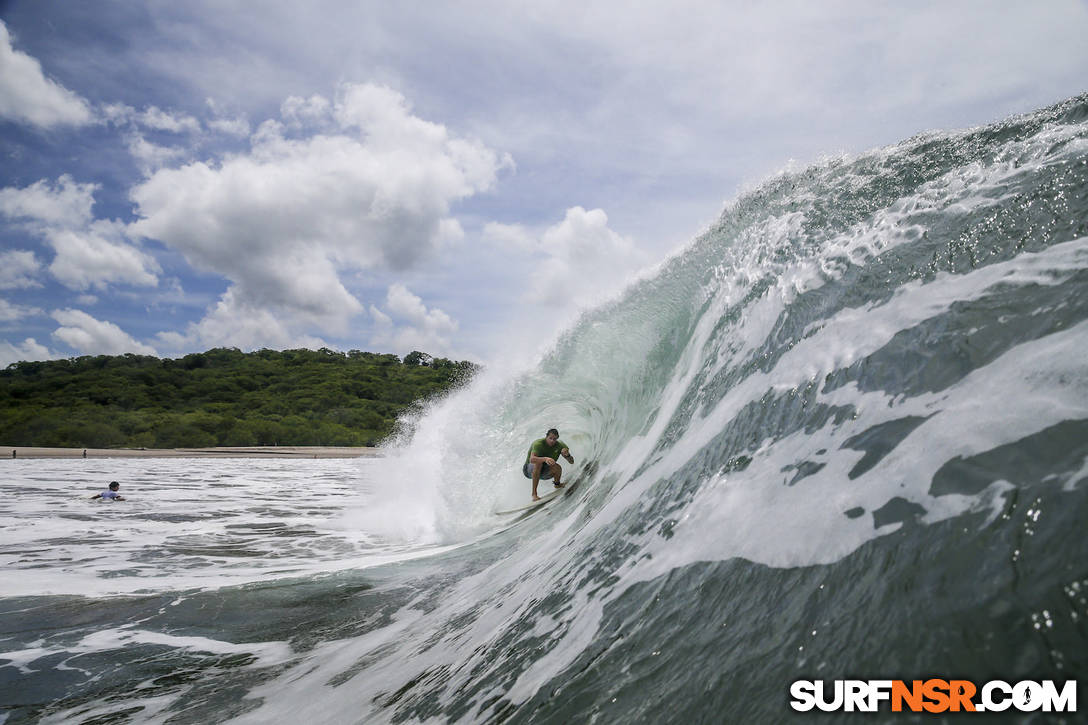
[566,454]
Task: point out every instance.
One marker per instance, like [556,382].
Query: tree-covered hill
[222,397]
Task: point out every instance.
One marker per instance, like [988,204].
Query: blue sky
[454,177]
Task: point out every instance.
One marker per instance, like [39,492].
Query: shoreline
[17,452]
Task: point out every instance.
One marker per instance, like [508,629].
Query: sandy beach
[16,452]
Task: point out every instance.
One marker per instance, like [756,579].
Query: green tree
[219,397]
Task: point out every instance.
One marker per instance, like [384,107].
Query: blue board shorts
[545,471]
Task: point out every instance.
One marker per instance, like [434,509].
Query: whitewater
[842,433]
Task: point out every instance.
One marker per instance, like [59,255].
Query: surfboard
[533,504]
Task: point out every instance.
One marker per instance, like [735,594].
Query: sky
[452,177]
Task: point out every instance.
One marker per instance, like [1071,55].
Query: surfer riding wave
[540,462]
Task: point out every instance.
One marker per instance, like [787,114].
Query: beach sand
[6,452]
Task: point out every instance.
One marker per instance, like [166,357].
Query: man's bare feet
[558,485]
[535,497]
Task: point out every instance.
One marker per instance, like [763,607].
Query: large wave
[823,436]
[828,316]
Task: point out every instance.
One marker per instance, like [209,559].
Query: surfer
[542,453]
[110,494]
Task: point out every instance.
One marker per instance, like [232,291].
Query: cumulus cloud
[235,323]
[89,336]
[359,182]
[28,349]
[572,263]
[27,96]
[66,204]
[89,252]
[299,112]
[407,324]
[95,256]
[18,269]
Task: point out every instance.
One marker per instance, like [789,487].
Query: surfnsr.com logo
[933,695]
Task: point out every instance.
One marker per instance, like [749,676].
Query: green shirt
[541,448]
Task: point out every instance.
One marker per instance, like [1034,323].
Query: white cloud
[313,111]
[160,120]
[383,321]
[552,273]
[230,126]
[89,336]
[512,236]
[575,262]
[404,305]
[727,61]
[27,96]
[89,253]
[283,220]
[18,269]
[721,90]
[449,230]
[95,256]
[151,118]
[235,323]
[28,349]
[407,324]
[136,124]
[68,204]
[11,312]
[117,113]
[150,155]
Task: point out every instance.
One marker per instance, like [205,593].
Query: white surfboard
[533,504]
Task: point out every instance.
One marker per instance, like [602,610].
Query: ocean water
[842,434]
